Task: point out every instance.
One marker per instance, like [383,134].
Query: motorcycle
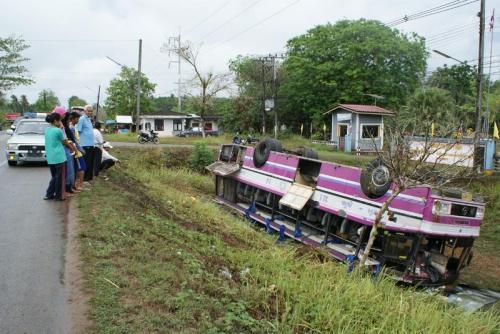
[242,141]
[146,137]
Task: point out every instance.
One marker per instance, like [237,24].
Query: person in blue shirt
[86,131]
[56,157]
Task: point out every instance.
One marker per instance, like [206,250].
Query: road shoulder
[78,308]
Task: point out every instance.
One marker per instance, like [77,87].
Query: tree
[343,62]
[15,106]
[494,101]
[75,101]
[46,101]
[407,166]
[208,84]
[167,103]
[12,71]
[259,79]
[25,105]
[458,80]
[122,98]
[433,105]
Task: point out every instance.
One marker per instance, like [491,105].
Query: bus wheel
[375,179]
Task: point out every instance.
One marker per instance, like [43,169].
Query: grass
[325,152]
[485,268]
[162,257]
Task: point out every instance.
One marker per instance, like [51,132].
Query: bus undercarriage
[408,257]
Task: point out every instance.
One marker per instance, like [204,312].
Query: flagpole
[487,116]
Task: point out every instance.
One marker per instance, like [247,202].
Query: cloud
[71,39]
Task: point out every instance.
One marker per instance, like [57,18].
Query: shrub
[201,157]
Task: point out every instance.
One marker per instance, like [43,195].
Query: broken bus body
[427,234]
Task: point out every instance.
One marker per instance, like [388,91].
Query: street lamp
[450,57]
[114,61]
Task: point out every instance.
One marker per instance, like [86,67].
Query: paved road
[32,248]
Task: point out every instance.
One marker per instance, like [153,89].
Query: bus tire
[375,179]
[263,149]
[310,153]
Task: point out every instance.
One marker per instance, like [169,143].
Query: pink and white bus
[427,234]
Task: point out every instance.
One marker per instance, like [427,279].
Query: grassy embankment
[485,269]
[162,257]
[325,152]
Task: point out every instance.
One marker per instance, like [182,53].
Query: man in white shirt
[98,142]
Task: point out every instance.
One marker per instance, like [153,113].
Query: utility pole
[487,116]
[275,97]
[97,106]
[176,42]
[138,111]
[479,94]
[263,97]
[270,63]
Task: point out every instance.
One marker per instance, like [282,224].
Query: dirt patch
[483,272]
[77,299]
[144,199]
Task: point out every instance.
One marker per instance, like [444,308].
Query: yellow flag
[324,127]
[301,128]
[495,130]
[433,129]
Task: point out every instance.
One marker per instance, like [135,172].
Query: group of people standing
[75,151]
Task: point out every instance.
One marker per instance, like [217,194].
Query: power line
[231,19]
[433,11]
[79,40]
[460,26]
[406,17]
[449,33]
[447,41]
[475,59]
[257,24]
[208,17]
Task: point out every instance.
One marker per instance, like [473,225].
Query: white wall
[168,126]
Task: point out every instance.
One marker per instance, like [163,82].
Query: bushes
[201,157]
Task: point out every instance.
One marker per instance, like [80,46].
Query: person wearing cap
[56,158]
[107,160]
[86,131]
[69,177]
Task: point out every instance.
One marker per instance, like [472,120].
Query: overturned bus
[427,234]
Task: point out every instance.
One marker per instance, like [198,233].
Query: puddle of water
[473,299]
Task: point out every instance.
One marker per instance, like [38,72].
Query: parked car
[27,142]
[193,132]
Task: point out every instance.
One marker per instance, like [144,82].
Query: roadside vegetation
[161,256]
[325,152]
[485,268]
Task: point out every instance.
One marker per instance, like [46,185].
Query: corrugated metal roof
[124,119]
[363,109]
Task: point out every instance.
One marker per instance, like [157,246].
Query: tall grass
[273,288]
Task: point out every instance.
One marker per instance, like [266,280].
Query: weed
[201,157]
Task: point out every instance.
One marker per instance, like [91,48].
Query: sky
[71,40]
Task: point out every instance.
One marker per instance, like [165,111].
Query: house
[171,123]
[123,123]
[358,126]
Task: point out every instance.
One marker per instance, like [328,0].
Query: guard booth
[358,127]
